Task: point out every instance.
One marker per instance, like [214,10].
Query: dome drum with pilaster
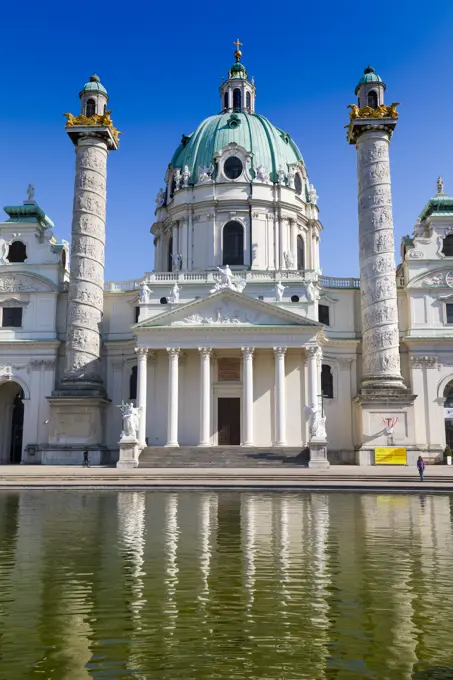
[370,89]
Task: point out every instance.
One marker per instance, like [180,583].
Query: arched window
[133,383]
[17,252]
[248,99]
[237,99]
[233,244]
[326,382]
[170,255]
[447,247]
[372,99]
[225,100]
[298,184]
[300,253]
[91,108]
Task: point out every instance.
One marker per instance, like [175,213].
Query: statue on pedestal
[145,292]
[279,290]
[131,420]
[317,423]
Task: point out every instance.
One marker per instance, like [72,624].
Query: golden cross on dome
[238,43]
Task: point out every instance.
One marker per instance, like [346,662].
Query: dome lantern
[238,93]
[370,89]
[93,97]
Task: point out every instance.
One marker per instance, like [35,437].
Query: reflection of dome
[94,85]
[270,147]
[369,76]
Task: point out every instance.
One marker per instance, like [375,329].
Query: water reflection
[205,585]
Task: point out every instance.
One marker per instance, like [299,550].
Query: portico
[224,376]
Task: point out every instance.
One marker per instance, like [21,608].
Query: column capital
[247,352]
[141,352]
[312,351]
[279,351]
[173,352]
[205,351]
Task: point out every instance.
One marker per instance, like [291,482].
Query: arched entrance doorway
[11,422]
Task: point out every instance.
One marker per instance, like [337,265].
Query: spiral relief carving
[85,294]
[377,260]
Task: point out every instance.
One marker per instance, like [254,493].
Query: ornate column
[247,377]
[380,335]
[173,396]
[280,397]
[86,287]
[205,396]
[142,364]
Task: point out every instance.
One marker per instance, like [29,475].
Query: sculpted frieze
[380,313]
[21,283]
[380,338]
[377,218]
[86,246]
[86,179]
[93,204]
[378,151]
[374,290]
[386,362]
[83,292]
[84,339]
[371,174]
[376,242]
[424,361]
[91,157]
[84,315]
[381,264]
[379,195]
[90,225]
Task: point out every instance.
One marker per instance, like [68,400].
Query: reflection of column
[208,517]
[171,566]
[205,400]
[142,359]
[173,396]
[248,510]
[280,401]
[131,530]
[247,363]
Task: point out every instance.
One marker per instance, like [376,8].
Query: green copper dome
[369,76]
[94,85]
[270,147]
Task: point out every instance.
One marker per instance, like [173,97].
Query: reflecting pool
[202,585]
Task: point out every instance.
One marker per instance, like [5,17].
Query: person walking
[421,467]
[86,462]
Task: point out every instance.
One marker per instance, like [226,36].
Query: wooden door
[229,421]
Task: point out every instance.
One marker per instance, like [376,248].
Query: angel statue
[224,280]
[204,174]
[317,423]
[186,176]
[30,193]
[177,178]
[145,292]
[289,259]
[131,420]
[160,198]
[440,185]
[174,295]
[279,290]
[262,175]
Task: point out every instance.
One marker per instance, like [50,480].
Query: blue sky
[162,64]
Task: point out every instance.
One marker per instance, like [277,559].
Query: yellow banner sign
[390,456]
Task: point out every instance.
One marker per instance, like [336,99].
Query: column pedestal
[129,453]
[318,455]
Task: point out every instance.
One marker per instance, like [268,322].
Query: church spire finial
[238,53]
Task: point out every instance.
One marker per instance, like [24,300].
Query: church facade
[236,338]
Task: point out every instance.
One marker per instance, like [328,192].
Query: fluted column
[247,407]
[280,397]
[205,396]
[86,287]
[380,335]
[173,396]
[142,365]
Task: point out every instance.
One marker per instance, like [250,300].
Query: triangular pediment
[227,308]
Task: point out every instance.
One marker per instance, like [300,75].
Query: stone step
[221,456]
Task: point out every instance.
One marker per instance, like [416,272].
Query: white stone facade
[268,353]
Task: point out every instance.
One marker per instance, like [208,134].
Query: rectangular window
[324,314]
[229,370]
[136,313]
[449,309]
[12,317]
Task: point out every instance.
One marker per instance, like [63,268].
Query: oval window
[298,184]
[232,167]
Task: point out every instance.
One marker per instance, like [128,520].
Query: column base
[170,445]
[129,453]
[318,455]
[247,444]
[204,444]
[76,425]
[280,444]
